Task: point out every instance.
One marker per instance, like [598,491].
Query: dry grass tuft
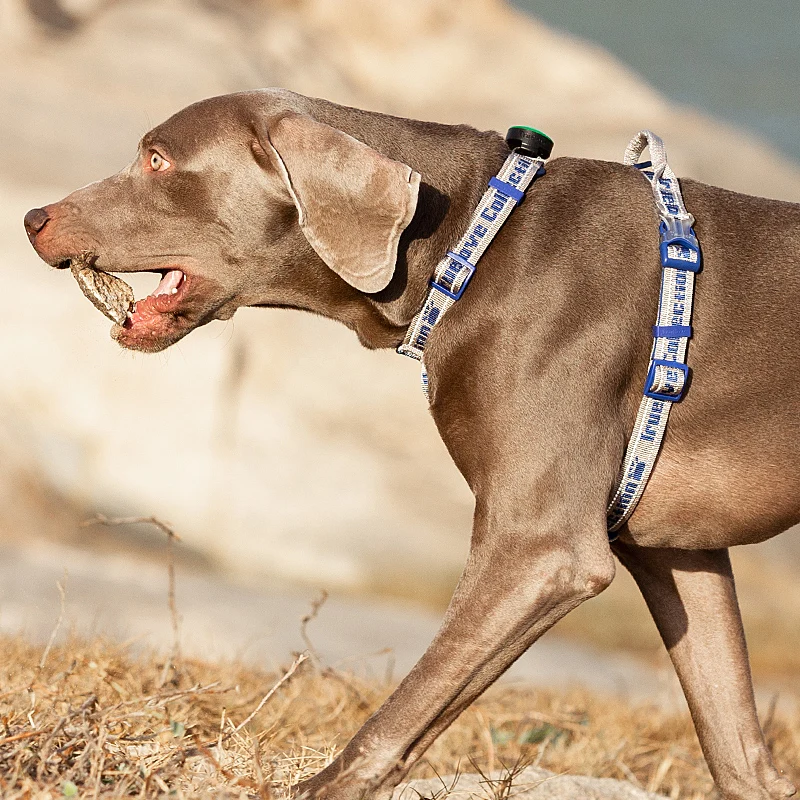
[94,720]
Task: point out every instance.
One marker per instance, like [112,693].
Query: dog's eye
[158,163]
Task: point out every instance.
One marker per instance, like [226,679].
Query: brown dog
[268,198]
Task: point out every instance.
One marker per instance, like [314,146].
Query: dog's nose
[35,220]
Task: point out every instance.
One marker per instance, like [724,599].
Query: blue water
[736,60]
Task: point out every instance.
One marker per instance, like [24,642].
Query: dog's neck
[455,163]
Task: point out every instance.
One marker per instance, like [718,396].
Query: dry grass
[100,719]
[95,720]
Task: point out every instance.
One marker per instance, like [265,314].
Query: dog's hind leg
[692,597]
[520,578]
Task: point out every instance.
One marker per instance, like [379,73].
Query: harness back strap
[668,374]
[455,270]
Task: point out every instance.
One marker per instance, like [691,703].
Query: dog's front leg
[520,578]
[692,598]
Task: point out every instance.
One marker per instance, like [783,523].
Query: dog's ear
[353,202]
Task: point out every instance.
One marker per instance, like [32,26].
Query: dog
[268,198]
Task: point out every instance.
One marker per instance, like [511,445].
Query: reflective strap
[667,374]
[455,270]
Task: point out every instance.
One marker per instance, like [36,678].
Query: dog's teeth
[173,291]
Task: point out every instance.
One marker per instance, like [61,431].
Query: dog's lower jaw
[151,339]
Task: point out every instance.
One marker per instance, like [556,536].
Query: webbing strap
[668,373]
[455,270]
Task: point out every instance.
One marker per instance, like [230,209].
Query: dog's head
[239,200]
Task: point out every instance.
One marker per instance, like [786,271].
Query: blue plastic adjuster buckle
[672,331]
[507,189]
[681,235]
[651,376]
[465,265]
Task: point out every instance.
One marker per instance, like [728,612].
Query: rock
[530,784]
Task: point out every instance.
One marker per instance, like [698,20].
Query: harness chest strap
[667,374]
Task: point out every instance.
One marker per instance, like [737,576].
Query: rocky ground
[529,784]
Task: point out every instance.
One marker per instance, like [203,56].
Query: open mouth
[138,323]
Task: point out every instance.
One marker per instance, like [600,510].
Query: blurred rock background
[275,445]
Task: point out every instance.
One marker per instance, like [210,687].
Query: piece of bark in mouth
[107,293]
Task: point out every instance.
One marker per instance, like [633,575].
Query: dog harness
[667,375]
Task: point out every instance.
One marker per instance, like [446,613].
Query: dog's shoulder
[593,178]
[581,193]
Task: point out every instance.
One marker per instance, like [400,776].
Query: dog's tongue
[107,293]
[169,283]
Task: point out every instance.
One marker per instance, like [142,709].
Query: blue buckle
[651,376]
[681,235]
[672,331]
[465,265]
[507,189]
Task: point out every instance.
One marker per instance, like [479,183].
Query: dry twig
[316,605]
[264,700]
[172,537]
[51,640]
